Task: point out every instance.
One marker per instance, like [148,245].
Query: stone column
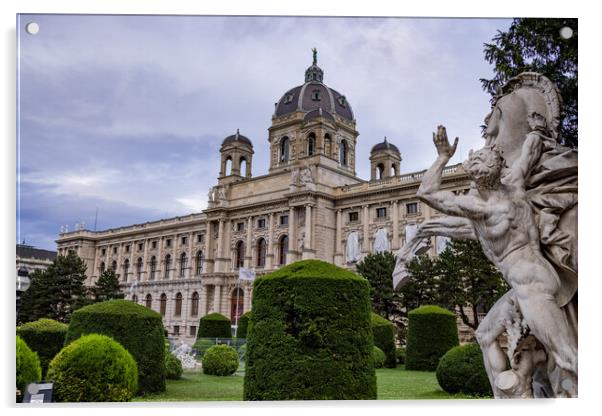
[119,265]
[395,245]
[132,265]
[248,244]
[292,238]
[158,273]
[144,274]
[220,246]
[269,258]
[202,301]
[191,257]
[338,255]
[174,274]
[217,299]
[95,273]
[209,246]
[366,238]
[247,298]
[308,252]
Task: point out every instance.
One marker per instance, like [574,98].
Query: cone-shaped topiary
[243,325]
[94,368]
[214,325]
[27,366]
[220,360]
[137,328]
[384,338]
[46,337]
[461,370]
[379,357]
[432,331]
[173,367]
[310,336]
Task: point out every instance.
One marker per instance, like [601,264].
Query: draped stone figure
[381,241]
[522,208]
[353,248]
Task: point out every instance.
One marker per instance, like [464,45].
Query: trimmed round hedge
[94,368]
[220,360]
[384,338]
[243,325]
[379,357]
[173,367]
[214,325]
[432,331]
[45,336]
[461,370]
[310,335]
[137,328]
[28,369]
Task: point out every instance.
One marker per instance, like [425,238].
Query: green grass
[393,384]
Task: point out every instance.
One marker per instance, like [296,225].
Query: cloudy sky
[125,114]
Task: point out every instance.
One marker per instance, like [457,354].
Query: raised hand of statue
[444,149]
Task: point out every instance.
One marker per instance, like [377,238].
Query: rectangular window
[104,251]
[140,246]
[154,245]
[193,331]
[412,208]
[176,329]
[200,238]
[261,223]
[381,212]
[353,216]
[184,239]
[168,242]
[240,226]
[114,250]
[127,248]
[284,220]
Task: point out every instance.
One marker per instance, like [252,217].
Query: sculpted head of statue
[485,167]
[526,103]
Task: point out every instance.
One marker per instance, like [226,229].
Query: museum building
[310,204]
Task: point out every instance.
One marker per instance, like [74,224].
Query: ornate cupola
[384,161]
[314,72]
[236,157]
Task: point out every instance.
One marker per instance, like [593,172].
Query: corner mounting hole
[32,28]
[566,33]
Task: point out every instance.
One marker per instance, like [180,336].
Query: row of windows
[183,266]
[261,250]
[183,241]
[411,208]
[261,223]
[311,148]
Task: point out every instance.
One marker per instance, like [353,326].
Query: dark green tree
[55,292]
[378,270]
[421,287]
[107,287]
[467,280]
[536,45]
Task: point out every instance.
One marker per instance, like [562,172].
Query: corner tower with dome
[310,204]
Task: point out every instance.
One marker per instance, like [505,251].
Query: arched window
[167,266]
[134,298]
[282,249]
[126,268]
[243,166]
[393,171]
[194,306]
[183,264]
[311,144]
[178,310]
[327,145]
[153,268]
[236,304]
[343,153]
[199,262]
[102,267]
[163,304]
[139,268]
[228,167]
[240,254]
[149,301]
[261,252]
[114,266]
[284,149]
[380,170]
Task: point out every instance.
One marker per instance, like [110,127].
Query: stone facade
[306,207]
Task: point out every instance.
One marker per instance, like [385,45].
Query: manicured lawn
[393,384]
